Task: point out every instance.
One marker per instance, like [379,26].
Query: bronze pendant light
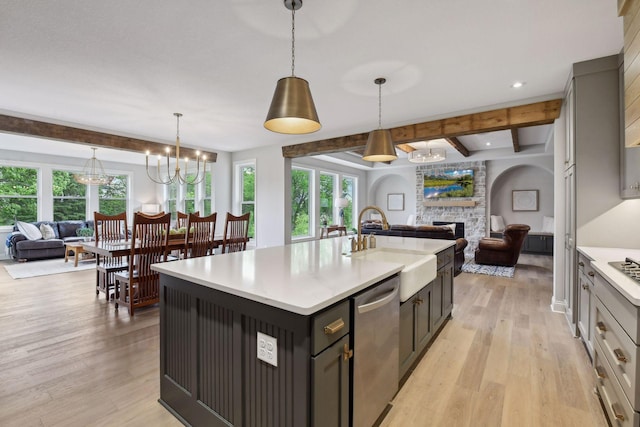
[379,146]
[292,109]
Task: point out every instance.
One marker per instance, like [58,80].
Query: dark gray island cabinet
[423,314]
[227,320]
[210,375]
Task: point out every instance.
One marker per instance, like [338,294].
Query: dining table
[116,248]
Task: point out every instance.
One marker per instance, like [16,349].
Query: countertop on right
[600,258]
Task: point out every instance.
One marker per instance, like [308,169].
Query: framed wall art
[395,201]
[524,200]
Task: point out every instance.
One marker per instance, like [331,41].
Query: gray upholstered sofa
[23,249]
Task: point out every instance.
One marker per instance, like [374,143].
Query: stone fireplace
[471,211]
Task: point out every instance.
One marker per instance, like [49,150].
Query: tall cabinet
[591,164]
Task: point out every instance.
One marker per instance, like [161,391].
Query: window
[190,195]
[171,191]
[327,196]
[207,196]
[349,192]
[248,194]
[69,197]
[18,194]
[300,205]
[113,197]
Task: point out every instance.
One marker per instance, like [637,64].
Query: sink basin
[420,268]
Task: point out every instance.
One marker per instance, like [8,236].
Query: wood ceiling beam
[455,143]
[539,113]
[405,147]
[516,140]
[22,126]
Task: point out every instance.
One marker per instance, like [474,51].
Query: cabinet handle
[334,327]
[601,328]
[620,355]
[600,372]
[346,353]
[617,415]
[581,264]
[591,273]
[585,287]
[419,301]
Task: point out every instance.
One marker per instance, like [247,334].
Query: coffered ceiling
[124,68]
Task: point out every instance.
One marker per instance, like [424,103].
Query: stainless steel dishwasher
[376,326]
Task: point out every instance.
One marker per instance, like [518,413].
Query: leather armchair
[505,251]
[458,257]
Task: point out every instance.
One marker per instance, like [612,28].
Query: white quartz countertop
[302,277]
[600,258]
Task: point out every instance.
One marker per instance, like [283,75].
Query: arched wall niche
[522,177]
[392,184]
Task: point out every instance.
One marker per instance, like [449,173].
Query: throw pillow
[30,231]
[548,224]
[452,227]
[497,223]
[47,231]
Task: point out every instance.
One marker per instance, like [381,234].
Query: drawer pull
[418,301]
[601,328]
[620,355]
[591,274]
[617,415]
[581,264]
[600,373]
[334,327]
[585,287]
[346,353]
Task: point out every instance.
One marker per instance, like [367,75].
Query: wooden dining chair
[182,219]
[236,233]
[146,215]
[140,285]
[200,240]
[109,228]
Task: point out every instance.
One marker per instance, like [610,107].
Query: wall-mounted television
[454,183]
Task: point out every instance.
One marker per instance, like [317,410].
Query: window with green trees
[172,199]
[300,205]
[113,197]
[190,195]
[69,197]
[18,194]
[248,196]
[348,187]
[207,196]
[327,196]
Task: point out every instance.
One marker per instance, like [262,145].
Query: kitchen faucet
[361,244]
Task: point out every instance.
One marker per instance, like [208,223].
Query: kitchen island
[264,337]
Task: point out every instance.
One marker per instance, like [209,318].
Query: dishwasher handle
[364,308]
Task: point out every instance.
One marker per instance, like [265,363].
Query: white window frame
[314,219]
[38,168]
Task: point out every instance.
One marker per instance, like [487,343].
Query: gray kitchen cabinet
[422,315]
[586,303]
[616,349]
[330,382]
[592,161]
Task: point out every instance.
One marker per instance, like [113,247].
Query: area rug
[490,270]
[24,270]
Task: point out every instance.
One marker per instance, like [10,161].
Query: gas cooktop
[629,266]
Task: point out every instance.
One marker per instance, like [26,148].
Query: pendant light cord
[379,105]
[293,38]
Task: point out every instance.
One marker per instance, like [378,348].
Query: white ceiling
[125,66]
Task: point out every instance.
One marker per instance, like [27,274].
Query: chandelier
[169,176]
[430,155]
[93,173]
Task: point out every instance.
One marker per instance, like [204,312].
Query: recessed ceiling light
[488,144]
[517,85]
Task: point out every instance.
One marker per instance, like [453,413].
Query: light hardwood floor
[504,359]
